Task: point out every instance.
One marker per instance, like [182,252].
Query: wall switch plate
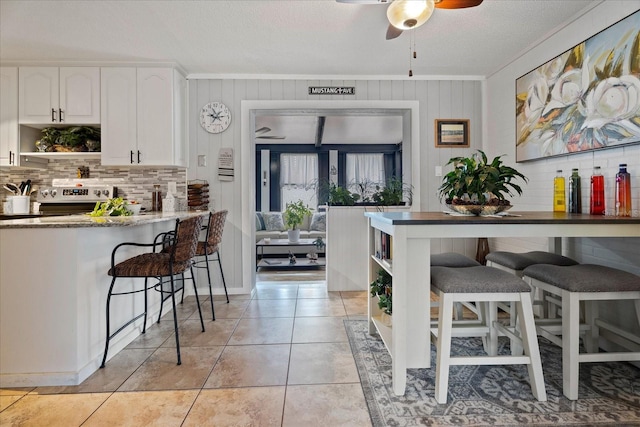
[438,170]
[202,160]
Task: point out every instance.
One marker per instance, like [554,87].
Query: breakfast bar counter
[53,290]
[408,339]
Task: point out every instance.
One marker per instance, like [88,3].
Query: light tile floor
[281,358]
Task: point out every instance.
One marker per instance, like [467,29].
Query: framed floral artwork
[588,98]
[452,133]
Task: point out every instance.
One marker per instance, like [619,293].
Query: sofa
[271,224]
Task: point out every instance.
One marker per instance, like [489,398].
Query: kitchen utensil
[9,189]
[13,187]
[27,188]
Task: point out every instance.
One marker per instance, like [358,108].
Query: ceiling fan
[261,134]
[409,14]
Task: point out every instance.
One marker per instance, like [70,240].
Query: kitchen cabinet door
[156,116]
[79,95]
[39,95]
[9,143]
[180,145]
[118,116]
[51,95]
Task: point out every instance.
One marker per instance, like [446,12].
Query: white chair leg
[591,336]
[530,344]
[443,354]
[570,344]
[492,316]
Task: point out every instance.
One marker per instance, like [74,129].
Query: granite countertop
[83,220]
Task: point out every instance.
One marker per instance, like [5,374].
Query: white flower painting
[588,98]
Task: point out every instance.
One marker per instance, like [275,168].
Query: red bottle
[597,192]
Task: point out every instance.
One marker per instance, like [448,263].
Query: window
[298,179]
[364,171]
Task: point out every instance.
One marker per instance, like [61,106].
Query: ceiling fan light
[408,14]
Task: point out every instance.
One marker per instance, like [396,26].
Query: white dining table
[408,339]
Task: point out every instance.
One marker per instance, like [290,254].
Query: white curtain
[365,168]
[298,179]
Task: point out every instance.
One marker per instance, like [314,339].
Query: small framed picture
[452,133]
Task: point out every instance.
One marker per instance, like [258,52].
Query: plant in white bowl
[294,217]
[478,187]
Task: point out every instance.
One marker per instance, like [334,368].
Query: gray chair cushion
[520,261]
[584,277]
[452,259]
[476,279]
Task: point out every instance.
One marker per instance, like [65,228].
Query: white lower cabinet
[143,117]
[9,142]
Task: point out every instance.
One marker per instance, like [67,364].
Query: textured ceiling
[303,37]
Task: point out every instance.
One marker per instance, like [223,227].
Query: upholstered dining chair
[211,246]
[172,255]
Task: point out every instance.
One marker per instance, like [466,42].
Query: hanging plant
[381,288]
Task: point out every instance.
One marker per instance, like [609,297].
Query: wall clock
[215,117]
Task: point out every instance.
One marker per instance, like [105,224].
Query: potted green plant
[381,288]
[294,217]
[478,186]
[74,138]
[393,193]
[340,196]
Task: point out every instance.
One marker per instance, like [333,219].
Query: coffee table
[261,261]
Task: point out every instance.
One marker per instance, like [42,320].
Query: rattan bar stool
[586,283]
[173,255]
[486,286]
[209,247]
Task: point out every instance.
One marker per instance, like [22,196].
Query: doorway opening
[267,123]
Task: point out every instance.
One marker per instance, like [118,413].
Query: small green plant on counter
[112,207]
[294,214]
[381,287]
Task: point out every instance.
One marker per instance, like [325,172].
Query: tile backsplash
[138,183]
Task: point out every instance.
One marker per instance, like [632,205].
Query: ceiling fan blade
[393,32]
[363,1]
[456,4]
[270,137]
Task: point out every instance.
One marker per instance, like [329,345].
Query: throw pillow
[319,222]
[259,222]
[273,221]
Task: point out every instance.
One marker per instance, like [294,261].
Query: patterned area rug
[493,395]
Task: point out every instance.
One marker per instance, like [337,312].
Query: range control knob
[44,192]
[105,192]
[96,192]
[54,192]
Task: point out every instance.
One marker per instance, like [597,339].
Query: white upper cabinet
[143,117]
[9,143]
[118,116]
[65,96]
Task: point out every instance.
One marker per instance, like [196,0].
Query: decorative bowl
[479,210]
[134,208]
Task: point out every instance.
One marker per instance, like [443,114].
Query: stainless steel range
[73,196]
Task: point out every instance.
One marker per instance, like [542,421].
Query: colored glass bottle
[575,197]
[623,191]
[559,200]
[596,205]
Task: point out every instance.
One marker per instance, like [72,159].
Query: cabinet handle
[53,114]
[61,118]
[131,156]
[138,156]
[11,155]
